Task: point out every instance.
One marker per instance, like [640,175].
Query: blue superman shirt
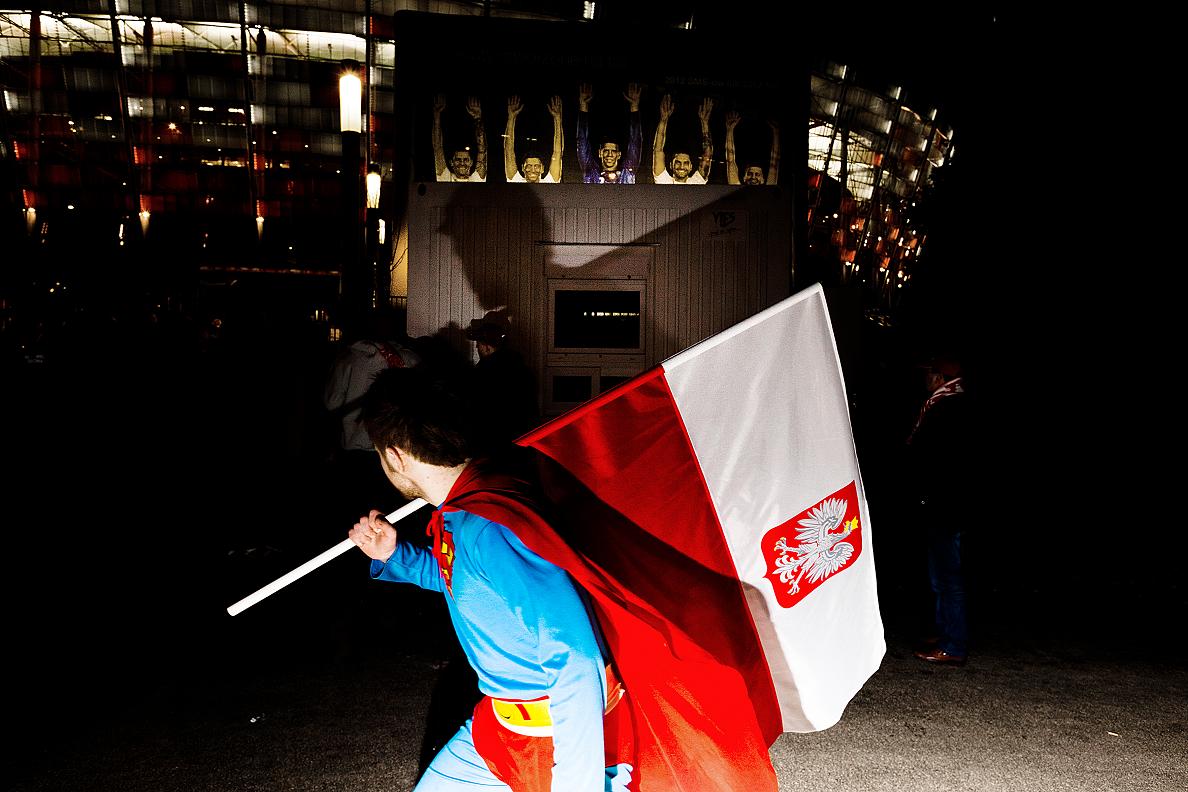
[525,629]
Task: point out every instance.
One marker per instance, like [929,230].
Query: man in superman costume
[544,625]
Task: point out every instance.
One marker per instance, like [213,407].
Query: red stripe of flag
[656,563]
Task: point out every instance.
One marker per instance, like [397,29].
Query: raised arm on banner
[314,563]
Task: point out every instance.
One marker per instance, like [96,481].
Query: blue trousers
[458,767]
[948,587]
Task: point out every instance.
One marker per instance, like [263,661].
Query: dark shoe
[941,657]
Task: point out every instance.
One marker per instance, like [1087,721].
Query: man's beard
[403,484]
[407,487]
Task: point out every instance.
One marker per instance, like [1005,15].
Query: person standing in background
[940,467]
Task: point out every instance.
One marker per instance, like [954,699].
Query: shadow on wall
[595,291]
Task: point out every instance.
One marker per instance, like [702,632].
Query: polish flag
[719,522]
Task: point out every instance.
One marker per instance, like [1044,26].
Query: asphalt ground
[321,691]
[138,506]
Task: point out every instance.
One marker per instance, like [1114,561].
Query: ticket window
[596,338]
[599,317]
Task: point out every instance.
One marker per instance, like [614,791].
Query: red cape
[670,625]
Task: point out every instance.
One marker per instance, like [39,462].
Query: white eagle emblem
[820,550]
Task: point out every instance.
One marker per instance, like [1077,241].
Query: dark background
[153,480]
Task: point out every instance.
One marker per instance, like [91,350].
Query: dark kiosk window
[571,388]
[606,382]
[596,319]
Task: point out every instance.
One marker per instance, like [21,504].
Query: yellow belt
[532,718]
[523,713]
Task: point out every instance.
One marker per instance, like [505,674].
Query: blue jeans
[948,586]
[458,767]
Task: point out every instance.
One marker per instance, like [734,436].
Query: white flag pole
[314,563]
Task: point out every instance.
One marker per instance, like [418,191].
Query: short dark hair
[421,411]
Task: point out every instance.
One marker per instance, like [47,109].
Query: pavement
[330,692]
[143,499]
